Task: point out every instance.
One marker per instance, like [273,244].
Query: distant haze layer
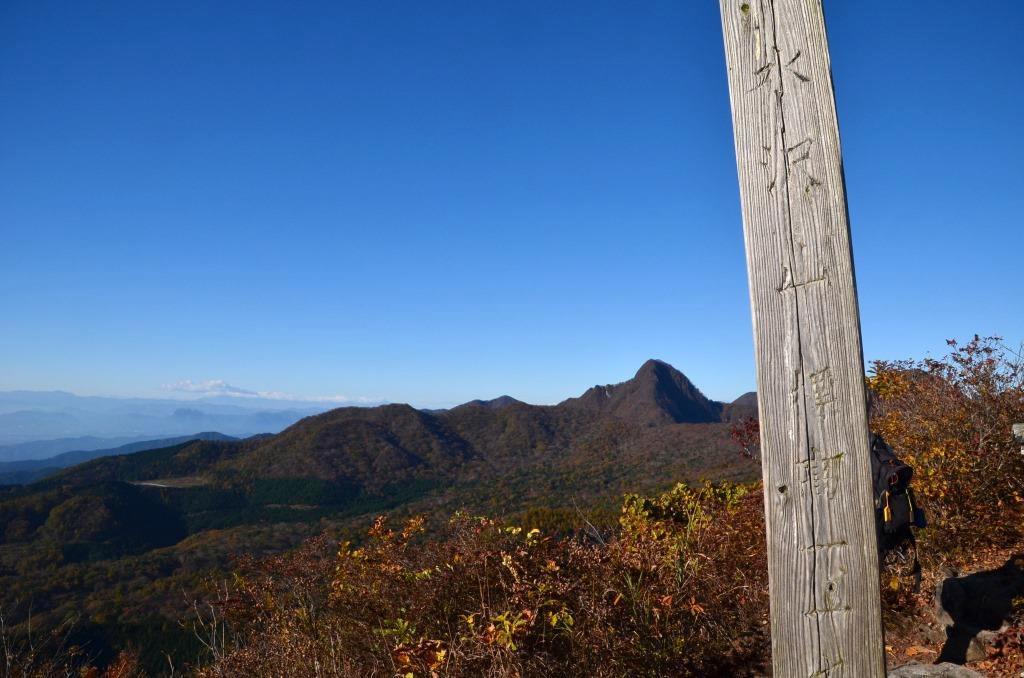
[38,424]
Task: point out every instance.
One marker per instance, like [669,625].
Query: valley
[118,547]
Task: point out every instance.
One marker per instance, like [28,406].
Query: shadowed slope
[371,446]
[659,394]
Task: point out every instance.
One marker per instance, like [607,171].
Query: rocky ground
[963,621]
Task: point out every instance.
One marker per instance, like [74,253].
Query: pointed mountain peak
[659,369]
[664,376]
[658,394]
[654,366]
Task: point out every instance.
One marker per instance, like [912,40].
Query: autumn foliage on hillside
[677,587]
[680,590]
[951,419]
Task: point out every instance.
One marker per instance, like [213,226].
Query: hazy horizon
[445,202]
[229,394]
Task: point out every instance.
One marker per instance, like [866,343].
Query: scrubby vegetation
[567,581]
[951,419]
[117,546]
[679,589]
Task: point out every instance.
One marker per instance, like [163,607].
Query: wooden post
[822,550]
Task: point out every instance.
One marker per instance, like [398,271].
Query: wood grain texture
[822,553]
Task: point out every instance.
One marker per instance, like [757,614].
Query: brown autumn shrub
[125,665]
[24,654]
[28,655]
[680,589]
[951,419]
[746,434]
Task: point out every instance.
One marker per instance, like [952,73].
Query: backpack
[895,507]
[896,511]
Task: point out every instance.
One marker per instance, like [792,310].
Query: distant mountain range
[148,524]
[372,447]
[36,424]
[30,470]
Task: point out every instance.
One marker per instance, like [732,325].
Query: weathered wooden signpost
[822,554]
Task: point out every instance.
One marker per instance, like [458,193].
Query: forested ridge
[117,546]
[598,537]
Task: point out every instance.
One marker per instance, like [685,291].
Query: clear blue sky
[435,201]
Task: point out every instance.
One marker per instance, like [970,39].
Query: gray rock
[945,670]
[974,607]
[977,647]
